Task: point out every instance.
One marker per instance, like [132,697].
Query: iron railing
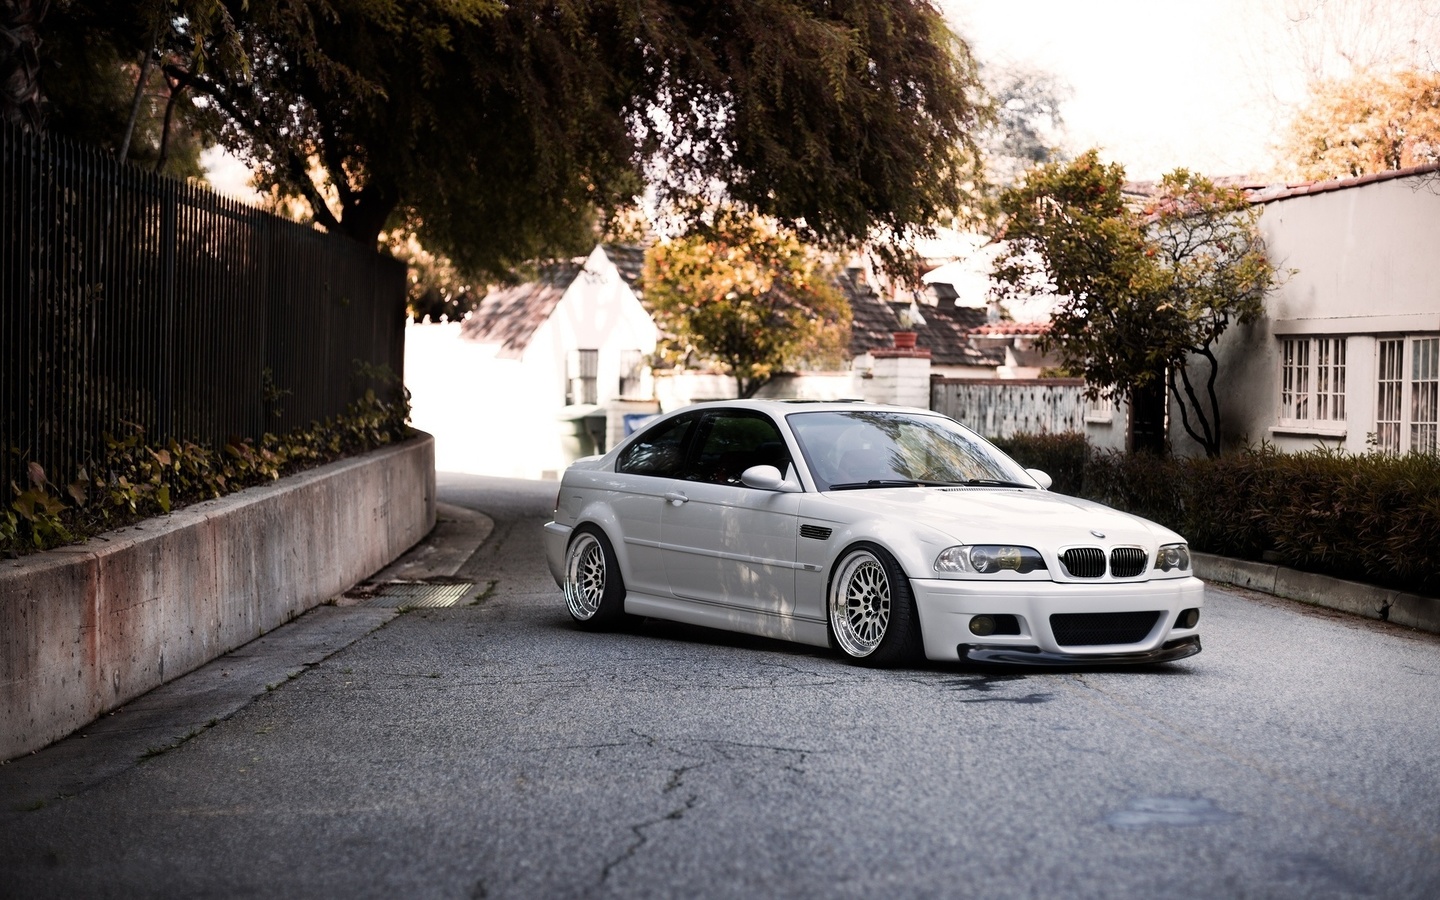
[130,300]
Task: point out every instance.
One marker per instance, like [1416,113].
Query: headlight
[983,559]
[1172,556]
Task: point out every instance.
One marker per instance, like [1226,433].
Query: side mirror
[1041,477]
[766,478]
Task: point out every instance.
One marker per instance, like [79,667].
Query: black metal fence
[130,300]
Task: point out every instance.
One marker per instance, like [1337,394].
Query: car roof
[780,407]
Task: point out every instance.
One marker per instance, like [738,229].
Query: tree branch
[295,164]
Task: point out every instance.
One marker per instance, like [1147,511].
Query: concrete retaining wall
[84,629]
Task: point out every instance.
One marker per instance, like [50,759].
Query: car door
[645,472]
[726,543]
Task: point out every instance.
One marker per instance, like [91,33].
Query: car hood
[1003,515]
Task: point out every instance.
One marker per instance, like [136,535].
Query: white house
[539,373]
[1348,352]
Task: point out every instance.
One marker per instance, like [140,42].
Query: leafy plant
[1369,518]
[1144,294]
[134,479]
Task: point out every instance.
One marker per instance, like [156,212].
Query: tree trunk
[145,60]
[1146,431]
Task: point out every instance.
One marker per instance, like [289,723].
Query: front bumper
[947,606]
[1034,656]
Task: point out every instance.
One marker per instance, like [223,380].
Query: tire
[871,609]
[594,589]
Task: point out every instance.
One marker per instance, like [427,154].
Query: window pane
[1295,379]
[1424,394]
[1387,401]
[856,447]
[734,443]
[631,365]
[580,381]
[1330,379]
[659,451]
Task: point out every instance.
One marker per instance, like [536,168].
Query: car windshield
[852,449]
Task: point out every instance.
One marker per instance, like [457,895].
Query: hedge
[1371,518]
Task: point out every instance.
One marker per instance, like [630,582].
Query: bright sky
[1203,84]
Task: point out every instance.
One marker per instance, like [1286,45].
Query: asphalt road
[496,751]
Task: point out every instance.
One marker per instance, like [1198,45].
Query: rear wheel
[872,609]
[594,590]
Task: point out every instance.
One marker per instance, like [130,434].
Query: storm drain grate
[418,595]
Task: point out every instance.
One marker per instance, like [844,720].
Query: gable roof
[945,332]
[629,260]
[1261,192]
[509,316]
[1271,193]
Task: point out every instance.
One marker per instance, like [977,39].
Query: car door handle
[676,497]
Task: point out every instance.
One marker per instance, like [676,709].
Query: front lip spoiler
[1034,656]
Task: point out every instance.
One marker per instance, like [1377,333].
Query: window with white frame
[1312,381]
[1407,400]
[632,366]
[582,377]
[1100,409]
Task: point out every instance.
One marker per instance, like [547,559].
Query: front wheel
[872,609]
[594,590]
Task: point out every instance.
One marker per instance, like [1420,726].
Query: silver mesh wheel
[860,603]
[584,576]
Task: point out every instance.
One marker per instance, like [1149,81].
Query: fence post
[165,393]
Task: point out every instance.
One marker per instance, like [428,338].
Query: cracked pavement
[496,751]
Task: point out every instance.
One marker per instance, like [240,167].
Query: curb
[457,534]
[1356,598]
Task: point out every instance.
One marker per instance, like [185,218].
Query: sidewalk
[177,711]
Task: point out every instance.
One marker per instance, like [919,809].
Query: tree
[1027,124]
[1365,124]
[496,130]
[19,62]
[1145,292]
[748,294]
[104,79]
[1211,271]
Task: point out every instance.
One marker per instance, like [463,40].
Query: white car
[882,531]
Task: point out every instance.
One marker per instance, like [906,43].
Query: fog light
[1187,618]
[982,625]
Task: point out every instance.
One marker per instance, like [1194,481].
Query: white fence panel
[1002,408]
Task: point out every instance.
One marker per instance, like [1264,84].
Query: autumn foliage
[746,294]
[1366,124]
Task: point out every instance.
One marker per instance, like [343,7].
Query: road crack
[641,830]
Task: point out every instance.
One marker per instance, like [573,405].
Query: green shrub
[1370,518]
[1061,456]
[134,479]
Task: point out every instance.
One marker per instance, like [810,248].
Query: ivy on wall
[135,479]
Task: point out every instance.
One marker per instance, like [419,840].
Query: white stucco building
[511,389]
[1348,352]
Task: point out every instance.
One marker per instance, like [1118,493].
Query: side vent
[815,532]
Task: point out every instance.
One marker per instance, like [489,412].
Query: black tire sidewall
[902,643]
[612,598]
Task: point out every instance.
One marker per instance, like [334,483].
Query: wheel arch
[600,516]
[913,547]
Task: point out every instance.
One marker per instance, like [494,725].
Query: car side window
[733,441]
[659,451]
